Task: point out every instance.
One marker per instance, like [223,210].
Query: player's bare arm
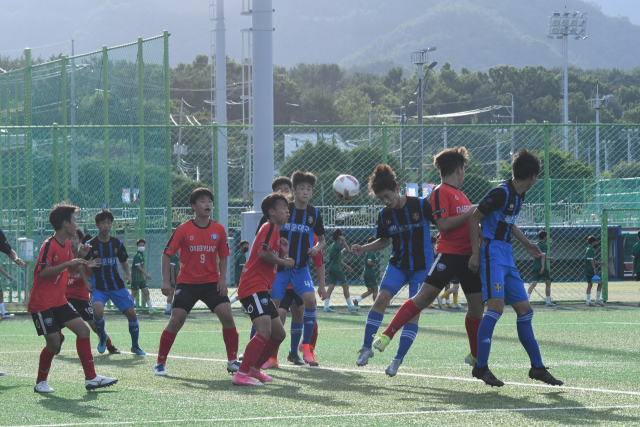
[542,261]
[5,274]
[474,235]
[452,222]
[379,244]
[322,293]
[140,269]
[14,257]
[164,267]
[83,250]
[313,251]
[222,282]
[127,271]
[531,248]
[269,257]
[345,244]
[345,265]
[72,265]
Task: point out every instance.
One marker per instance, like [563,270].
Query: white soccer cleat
[99,382]
[7,316]
[160,371]
[43,387]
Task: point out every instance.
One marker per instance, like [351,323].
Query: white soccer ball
[346,187]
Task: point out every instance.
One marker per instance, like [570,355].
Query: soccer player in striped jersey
[452,213]
[107,284]
[404,223]
[304,222]
[268,252]
[48,305]
[203,245]
[501,283]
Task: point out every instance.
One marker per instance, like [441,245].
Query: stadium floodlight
[562,26]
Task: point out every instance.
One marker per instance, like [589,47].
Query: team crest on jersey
[441,266]
[214,237]
[48,321]
[177,292]
[310,220]
[388,222]
[264,301]
[55,258]
[456,197]
[497,287]
[415,216]
[191,238]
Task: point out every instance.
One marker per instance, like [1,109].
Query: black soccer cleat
[295,359]
[487,376]
[60,348]
[542,374]
[113,350]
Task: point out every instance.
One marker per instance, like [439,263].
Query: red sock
[472,326]
[314,336]
[60,333]
[407,312]
[252,353]
[275,353]
[45,364]
[166,341]
[270,347]
[230,337]
[83,347]
[109,343]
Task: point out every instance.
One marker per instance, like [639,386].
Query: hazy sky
[630,8]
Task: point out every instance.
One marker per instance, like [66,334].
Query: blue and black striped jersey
[500,208]
[299,231]
[106,276]
[408,228]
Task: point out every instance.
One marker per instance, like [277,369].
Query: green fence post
[28,162]
[56,172]
[65,146]
[216,206]
[547,189]
[167,123]
[141,165]
[604,253]
[105,115]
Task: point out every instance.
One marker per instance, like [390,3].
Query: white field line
[320,416]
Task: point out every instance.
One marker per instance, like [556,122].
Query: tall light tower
[598,104]
[420,58]
[562,26]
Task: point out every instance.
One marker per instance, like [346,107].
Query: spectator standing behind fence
[369,275]
[635,253]
[174,270]
[540,270]
[590,271]
[139,276]
[241,260]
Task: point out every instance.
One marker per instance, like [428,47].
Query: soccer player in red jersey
[201,242]
[451,210]
[48,306]
[269,251]
[78,292]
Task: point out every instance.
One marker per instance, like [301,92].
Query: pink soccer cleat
[260,376]
[244,379]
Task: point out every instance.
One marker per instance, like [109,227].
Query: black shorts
[446,267]
[53,319]
[83,308]
[289,297]
[259,304]
[186,296]
[637,277]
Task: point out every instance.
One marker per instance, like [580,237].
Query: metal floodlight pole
[597,104]
[370,116]
[222,192]
[420,58]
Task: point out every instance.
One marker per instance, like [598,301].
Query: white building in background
[294,141]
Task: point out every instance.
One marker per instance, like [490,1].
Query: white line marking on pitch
[293,417]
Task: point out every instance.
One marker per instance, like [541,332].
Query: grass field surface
[593,350]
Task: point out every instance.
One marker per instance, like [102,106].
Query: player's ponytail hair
[382,178]
[449,160]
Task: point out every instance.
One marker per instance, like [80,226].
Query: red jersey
[448,201]
[48,293]
[198,248]
[317,260]
[75,287]
[257,274]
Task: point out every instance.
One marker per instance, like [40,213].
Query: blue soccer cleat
[102,344]
[138,351]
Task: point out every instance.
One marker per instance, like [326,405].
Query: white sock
[359,299]
[448,301]
[233,299]
[548,300]
[598,295]
[149,305]
[529,295]
[168,307]
[326,303]
[349,303]
[588,298]
[2,309]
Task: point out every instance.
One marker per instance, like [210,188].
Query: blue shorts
[394,279]
[499,275]
[300,280]
[120,298]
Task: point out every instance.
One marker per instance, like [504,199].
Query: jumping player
[201,243]
[404,222]
[305,221]
[269,251]
[335,276]
[501,283]
[452,213]
[540,270]
[107,284]
[369,275]
[48,306]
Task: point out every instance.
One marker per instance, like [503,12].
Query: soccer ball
[346,187]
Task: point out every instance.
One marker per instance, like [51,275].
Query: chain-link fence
[586,170]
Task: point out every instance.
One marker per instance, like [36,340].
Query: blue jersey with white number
[501,208]
[299,231]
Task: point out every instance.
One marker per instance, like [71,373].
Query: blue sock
[309,319]
[296,334]
[253,332]
[100,327]
[374,320]
[408,335]
[485,333]
[525,333]
[134,330]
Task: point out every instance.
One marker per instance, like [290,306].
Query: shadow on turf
[77,407]
[128,361]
